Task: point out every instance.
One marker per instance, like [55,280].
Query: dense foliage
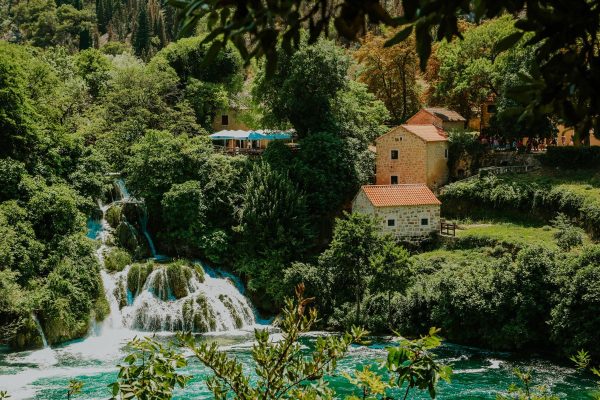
[564,81]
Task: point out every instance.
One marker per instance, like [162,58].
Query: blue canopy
[250,135]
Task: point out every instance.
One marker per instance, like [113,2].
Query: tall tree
[142,33]
[390,72]
[348,257]
[568,34]
[302,88]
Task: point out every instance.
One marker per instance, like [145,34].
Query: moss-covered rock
[237,318]
[198,315]
[178,275]
[113,215]
[116,259]
[137,275]
[27,335]
[127,236]
[200,274]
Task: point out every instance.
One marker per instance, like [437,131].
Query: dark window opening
[394,180]
[424,221]
[391,222]
[394,154]
[224,119]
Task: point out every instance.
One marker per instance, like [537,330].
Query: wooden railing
[448,228]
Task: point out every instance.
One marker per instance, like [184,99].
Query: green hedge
[570,157]
[501,195]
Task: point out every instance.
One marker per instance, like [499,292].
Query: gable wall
[411,165]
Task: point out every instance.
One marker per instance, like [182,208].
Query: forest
[90,91]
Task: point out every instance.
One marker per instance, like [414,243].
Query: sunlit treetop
[566,83]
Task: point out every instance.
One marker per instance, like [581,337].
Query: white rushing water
[213,301]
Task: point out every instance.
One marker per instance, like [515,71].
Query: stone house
[412,154]
[409,212]
[441,118]
[228,120]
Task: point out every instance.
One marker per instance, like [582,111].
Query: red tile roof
[429,133]
[400,195]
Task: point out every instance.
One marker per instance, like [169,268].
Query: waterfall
[38,326]
[168,297]
[123,192]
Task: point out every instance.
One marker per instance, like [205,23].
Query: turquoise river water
[478,374]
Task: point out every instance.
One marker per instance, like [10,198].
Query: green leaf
[399,37]
[508,42]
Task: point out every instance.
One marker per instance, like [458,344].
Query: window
[224,119]
[446,153]
[424,221]
[394,154]
[391,222]
[394,179]
[491,108]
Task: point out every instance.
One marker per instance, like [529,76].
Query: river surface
[478,374]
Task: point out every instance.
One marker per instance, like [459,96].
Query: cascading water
[38,326]
[168,297]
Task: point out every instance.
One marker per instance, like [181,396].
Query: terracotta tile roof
[444,114]
[400,195]
[429,133]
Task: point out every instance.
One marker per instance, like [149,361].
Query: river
[478,374]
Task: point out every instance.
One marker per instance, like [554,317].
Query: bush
[575,321]
[567,236]
[116,260]
[570,157]
[501,303]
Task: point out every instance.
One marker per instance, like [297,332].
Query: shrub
[568,235]
[570,157]
[116,260]
[575,321]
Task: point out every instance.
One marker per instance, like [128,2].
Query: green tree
[94,68]
[567,57]
[573,322]
[391,270]
[301,90]
[567,235]
[18,133]
[273,228]
[142,33]
[348,257]
[184,215]
[149,371]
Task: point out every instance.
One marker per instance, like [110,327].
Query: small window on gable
[394,154]
[398,139]
[224,119]
[394,179]
[424,221]
[391,222]
[446,153]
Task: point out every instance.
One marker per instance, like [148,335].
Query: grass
[510,233]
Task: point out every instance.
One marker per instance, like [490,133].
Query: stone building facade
[412,154]
[408,212]
[442,118]
[228,120]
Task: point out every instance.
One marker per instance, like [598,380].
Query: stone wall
[411,165]
[437,164]
[407,218]
[234,122]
